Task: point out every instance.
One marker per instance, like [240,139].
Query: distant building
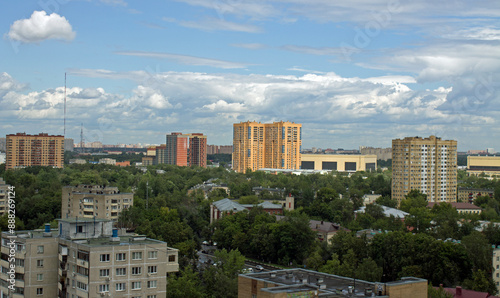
[125,163]
[34,150]
[462,208]
[266,145]
[177,149]
[325,230]
[381,153]
[339,162]
[148,160]
[468,195]
[198,150]
[307,283]
[388,211]
[94,201]
[3,156]
[277,191]
[69,145]
[87,258]
[4,196]
[78,161]
[160,154]
[426,164]
[107,161]
[370,198]
[208,186]
[227,206]
[222,149]
[3,144]
[483,165]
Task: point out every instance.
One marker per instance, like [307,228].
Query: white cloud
[40,27]
[216,24]
[186,59]
[210,103]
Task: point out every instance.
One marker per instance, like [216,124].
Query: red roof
[458,206]
[458,292]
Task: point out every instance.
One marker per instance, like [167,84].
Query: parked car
[259,268]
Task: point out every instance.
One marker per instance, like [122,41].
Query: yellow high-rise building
[25,150]
[266,145]
[429,165]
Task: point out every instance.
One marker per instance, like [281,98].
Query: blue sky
[354,73]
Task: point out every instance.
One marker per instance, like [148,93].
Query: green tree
[222,280]
[186,284]
[481,282]
[413,199]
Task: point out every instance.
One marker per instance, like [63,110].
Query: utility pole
[147,194]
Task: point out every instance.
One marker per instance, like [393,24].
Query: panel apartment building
[89,201]
[85,258]
[184,150]
[34,150]
[426,164]
[266,145]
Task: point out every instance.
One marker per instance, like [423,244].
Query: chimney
[458,291]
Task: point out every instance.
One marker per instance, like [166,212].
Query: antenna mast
[81,140]
[64,105]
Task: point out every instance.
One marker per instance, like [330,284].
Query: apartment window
[39,291]
[152,269]
[120,256]
[151,296]
[104,258]
[39,249]
[103,288]
[121,271]
[152,255]
[39,277]
[120,286]
[82,286]
[39,263]
[137,255]
[136,270]
[152,284]
[171,258]
[136,285]
[104,272]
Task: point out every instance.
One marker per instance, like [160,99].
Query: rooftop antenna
[81,139]
[64,105]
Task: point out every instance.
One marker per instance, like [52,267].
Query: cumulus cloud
[328,105]
[40,27]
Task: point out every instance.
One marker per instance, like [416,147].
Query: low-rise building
[78,161]
[89,201]
[483,165]
[107,161]
[85,258]
[462,208]
[227,206]
[388,211]
[468,195]
[306,283]
[370,198]
[4,196]
[339,162]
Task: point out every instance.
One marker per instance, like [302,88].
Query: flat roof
[300,280]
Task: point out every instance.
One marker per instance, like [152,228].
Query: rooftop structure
[307,283]
[388,211]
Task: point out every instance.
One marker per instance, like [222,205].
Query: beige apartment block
[469,195]
[34,150]
[487,165]
[426,164]
[89,201]
[339,162]
[86,258]
[266,145]
[4,196]
[496,266]
[35,263]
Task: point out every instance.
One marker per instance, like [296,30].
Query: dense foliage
[424,245]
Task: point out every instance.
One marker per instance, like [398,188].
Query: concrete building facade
[487,165]
[198,150]
[89,201]
[339,162]
[4,196]
[381,153]
[86,258]
[468,195]
[34,150]
[177,149]
[425,164]
[266,145]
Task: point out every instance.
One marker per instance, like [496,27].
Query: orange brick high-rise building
[273,145]
[34,150]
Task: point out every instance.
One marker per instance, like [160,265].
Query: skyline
[352,73]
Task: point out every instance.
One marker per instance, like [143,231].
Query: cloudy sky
[353,72]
